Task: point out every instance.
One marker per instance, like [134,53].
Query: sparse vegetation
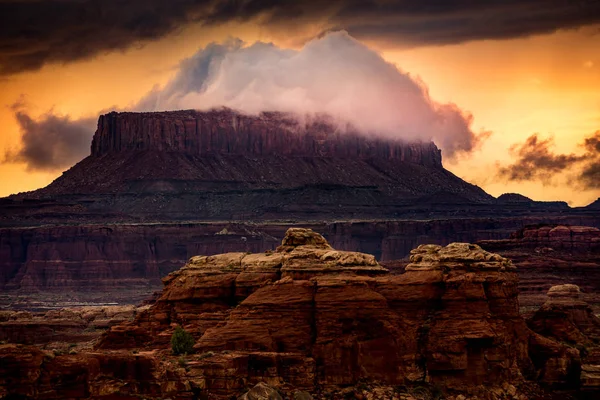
[182,342]
[206,355]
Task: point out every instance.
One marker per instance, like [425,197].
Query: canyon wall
[138,255]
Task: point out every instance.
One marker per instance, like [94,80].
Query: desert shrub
[182,342]
[206,355]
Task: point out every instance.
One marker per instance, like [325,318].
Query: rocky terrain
[306,320]
[58,328]
[552,255]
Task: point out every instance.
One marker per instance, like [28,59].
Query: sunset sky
[520,68]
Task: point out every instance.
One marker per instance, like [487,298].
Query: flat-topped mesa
[225,131]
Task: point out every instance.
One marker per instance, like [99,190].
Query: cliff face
[228,132]
[137,256]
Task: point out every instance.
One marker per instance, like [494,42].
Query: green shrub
[182,342]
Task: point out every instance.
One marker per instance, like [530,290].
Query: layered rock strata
[566,318]
[312,316]
[228,132]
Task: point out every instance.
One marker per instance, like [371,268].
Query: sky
[510,90]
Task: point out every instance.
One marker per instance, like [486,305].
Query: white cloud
[334,74]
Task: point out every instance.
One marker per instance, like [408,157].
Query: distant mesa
[513,198]
[224,165]
[595,205]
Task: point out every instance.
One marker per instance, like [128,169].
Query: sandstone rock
[301,395]
[225,131]
[549,256]
[67,325]
[261,392]
[342,318]
[566,317]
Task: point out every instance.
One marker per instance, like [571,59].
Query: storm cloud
[536,160]
[52,142]
[34,33]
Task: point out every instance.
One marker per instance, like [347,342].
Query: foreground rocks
[308,318]
[568,319]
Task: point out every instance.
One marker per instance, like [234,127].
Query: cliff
[127,261]
[228,132]
[565,317]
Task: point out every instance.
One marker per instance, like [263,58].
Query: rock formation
[68,325]
[128,260]
[551,255]
[309,315]
[220,164]
[306,317]
[568,319]
[228,132]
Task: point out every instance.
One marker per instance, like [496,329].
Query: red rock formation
[224,165]
[29,372]
[68,325]
[311,315]
[308,317]
[228,132]
[568,319]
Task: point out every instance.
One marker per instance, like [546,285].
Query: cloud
[590,175]
[34,33]
[334,75]
[52,142]
[536,160]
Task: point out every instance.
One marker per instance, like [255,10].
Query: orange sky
[547,84]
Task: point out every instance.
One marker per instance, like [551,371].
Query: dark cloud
[37,32]
[536,160]
[52,142]
[590,175]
